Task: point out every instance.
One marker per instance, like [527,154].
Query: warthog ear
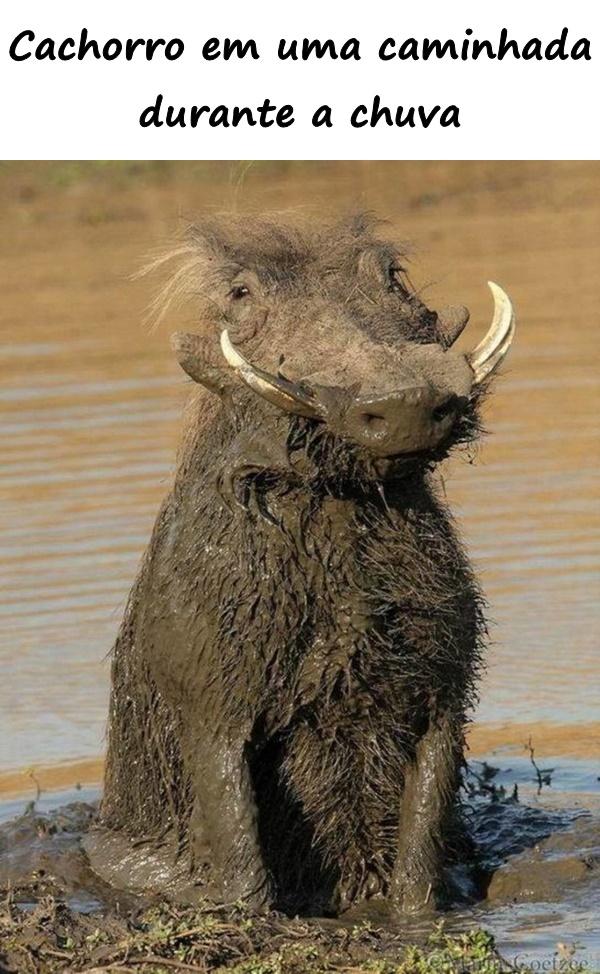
[191,355]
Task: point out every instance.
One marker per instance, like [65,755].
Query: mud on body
[300,649]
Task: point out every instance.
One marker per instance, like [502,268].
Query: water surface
[90,404]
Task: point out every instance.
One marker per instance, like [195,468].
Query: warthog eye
[238,292]
[397,285]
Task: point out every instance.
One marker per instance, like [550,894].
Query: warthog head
[317,336]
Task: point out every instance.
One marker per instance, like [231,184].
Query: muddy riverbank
[535,884]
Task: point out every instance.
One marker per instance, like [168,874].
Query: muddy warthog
[300,648]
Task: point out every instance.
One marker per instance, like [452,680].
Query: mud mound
[545,871]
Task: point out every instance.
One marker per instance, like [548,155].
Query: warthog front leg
[224,823]
[425,812]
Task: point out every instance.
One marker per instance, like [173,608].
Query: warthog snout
[418,396]
[410,419]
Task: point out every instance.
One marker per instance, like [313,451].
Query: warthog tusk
[493,347]
[275,389]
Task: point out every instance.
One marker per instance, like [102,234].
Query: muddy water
[90,406]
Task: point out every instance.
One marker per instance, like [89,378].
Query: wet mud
[537,868]
[523,853]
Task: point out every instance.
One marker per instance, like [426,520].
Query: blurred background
[91,406]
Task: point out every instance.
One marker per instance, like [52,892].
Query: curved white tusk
[278,391]
[232,356]
[494,346]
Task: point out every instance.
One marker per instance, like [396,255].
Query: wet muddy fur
[299,652]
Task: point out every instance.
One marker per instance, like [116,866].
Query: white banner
[392,81]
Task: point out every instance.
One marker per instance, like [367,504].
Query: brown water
[91,405]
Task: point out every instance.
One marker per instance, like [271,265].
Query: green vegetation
[118,174]
[51,937]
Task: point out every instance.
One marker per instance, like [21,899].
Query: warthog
[291,679]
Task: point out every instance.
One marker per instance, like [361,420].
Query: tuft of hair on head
[276,247]
[209,249]
[184,264]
